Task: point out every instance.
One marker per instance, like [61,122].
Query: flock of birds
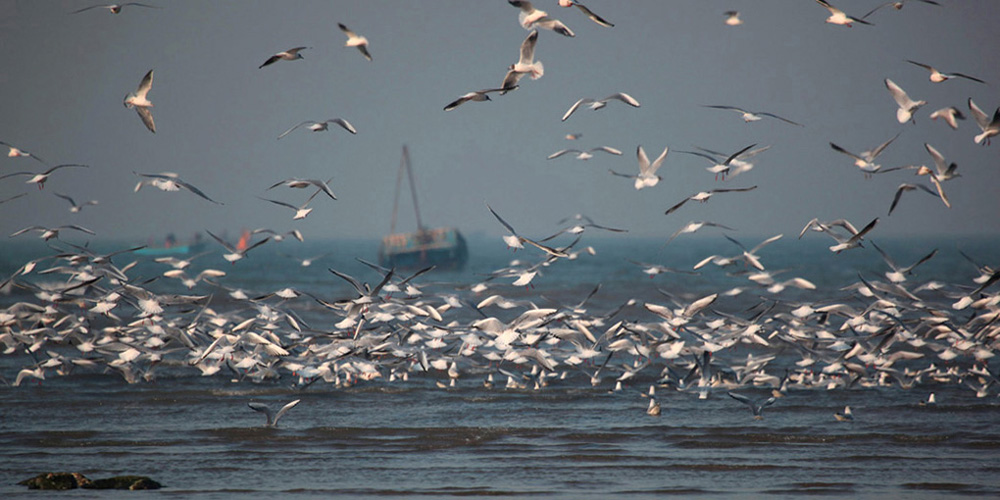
[886,332]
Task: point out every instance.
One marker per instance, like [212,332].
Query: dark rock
[125,483]
[57,481]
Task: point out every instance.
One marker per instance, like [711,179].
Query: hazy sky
[218,116]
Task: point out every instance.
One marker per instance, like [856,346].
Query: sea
[424,438]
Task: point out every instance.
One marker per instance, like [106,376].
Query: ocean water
[568,439]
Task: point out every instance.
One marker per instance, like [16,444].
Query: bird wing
[265,410]
[284,409]
[658,162]
[623,97]
[607,149]
[146,115]
[222,242]
[877,151]
[145,85]
[562,152]
[593,17]
[846,152]
[786,120]
[528,48]
[343,123]
[734,155]
[509,228]
[196,191]
[675,207]
[295,127]
[574,107]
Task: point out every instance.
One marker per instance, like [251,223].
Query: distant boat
[172,247]
[442,247]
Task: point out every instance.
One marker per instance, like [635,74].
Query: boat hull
[444,248]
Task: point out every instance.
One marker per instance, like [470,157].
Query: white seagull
[321,126]
[732,18]
[838,16]
[235,254]
[304,183]
[720,168]
[288,55]
[703,196]
[272,417]
[866,160]
[13,152]
[989,126]
[906,105]
[169,181]
[647,171]
[584,155]
[756,408]
[896,4]
[525,64]
[752,116]
[950,115]
[938,77]
[41,178]
[116,8]
[477,96]
[141,103]
[530,17]
[74,207]
[47,233]
[356,40]
[596,104]
[589,13]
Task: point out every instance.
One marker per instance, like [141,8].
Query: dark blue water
[568,439]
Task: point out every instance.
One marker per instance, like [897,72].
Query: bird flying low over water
[907,106]
[514,240]
[703,196]
[356,40]
[752,116]
[838,16]
[321,126]
[477,96]
[907,187]
[852,240]
[169,181]
[756,407]
[720,168]
[141,103]
[647,171]
[596,104]
[235,253]
[116,8]
[272,416]
[288,55]
[304,183]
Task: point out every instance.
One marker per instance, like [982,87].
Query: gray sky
[218,115]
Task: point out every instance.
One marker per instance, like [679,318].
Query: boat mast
[404,163]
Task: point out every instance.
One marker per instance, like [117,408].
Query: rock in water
[56,481]
[125,483]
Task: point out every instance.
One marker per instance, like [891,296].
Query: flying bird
[589,13]
[515,241]
[272,417]
[115,8]
[596,104]
[530,17]
[141,103]
[300,211]
[356,40]
[14,152]
[169,181]
[321,126]
[693,226]
[852,240]
[235,254]
[756,407]
[476,96]
[525,64]
[838,16]
[304,183]
[906,105]
[584,155]
[288,55]
[74,207]
[47,233]
[752,116]
[897,4]
[905,187]
[41,178]
[866,160]
[938,76]
[647,171]
[950,115]
[732,18]
[703,196]
[990,127]
[720,168]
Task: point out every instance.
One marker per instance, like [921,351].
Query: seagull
[752,116]
[515,241]
[301,211]
[169,181]
[14,152]
[756,408]
[116,8]
[951,115]
[74,208]
[140,102]
[906,105]
[938,77]
[356,40]
[288,55]
[477,96]
[846,416]
[937,184]
[47,233]
[530,17]
[525,64]
[297,183]
[596,104]
[321,126]
[720,168]
[589,13]
[904,187]
[866,160]
[944,170]
[693,226]
[732,18]
[838,16]
[234,253]
[739,163]
[898,5]
[272,417]
[647,171]
[990,127]
[41,178]
[584,155]
[843,243]
[703,196]
[898,274]
[653,408]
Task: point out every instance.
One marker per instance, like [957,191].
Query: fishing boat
[442,247]
[172,247]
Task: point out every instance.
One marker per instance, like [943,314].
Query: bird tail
[537,70]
